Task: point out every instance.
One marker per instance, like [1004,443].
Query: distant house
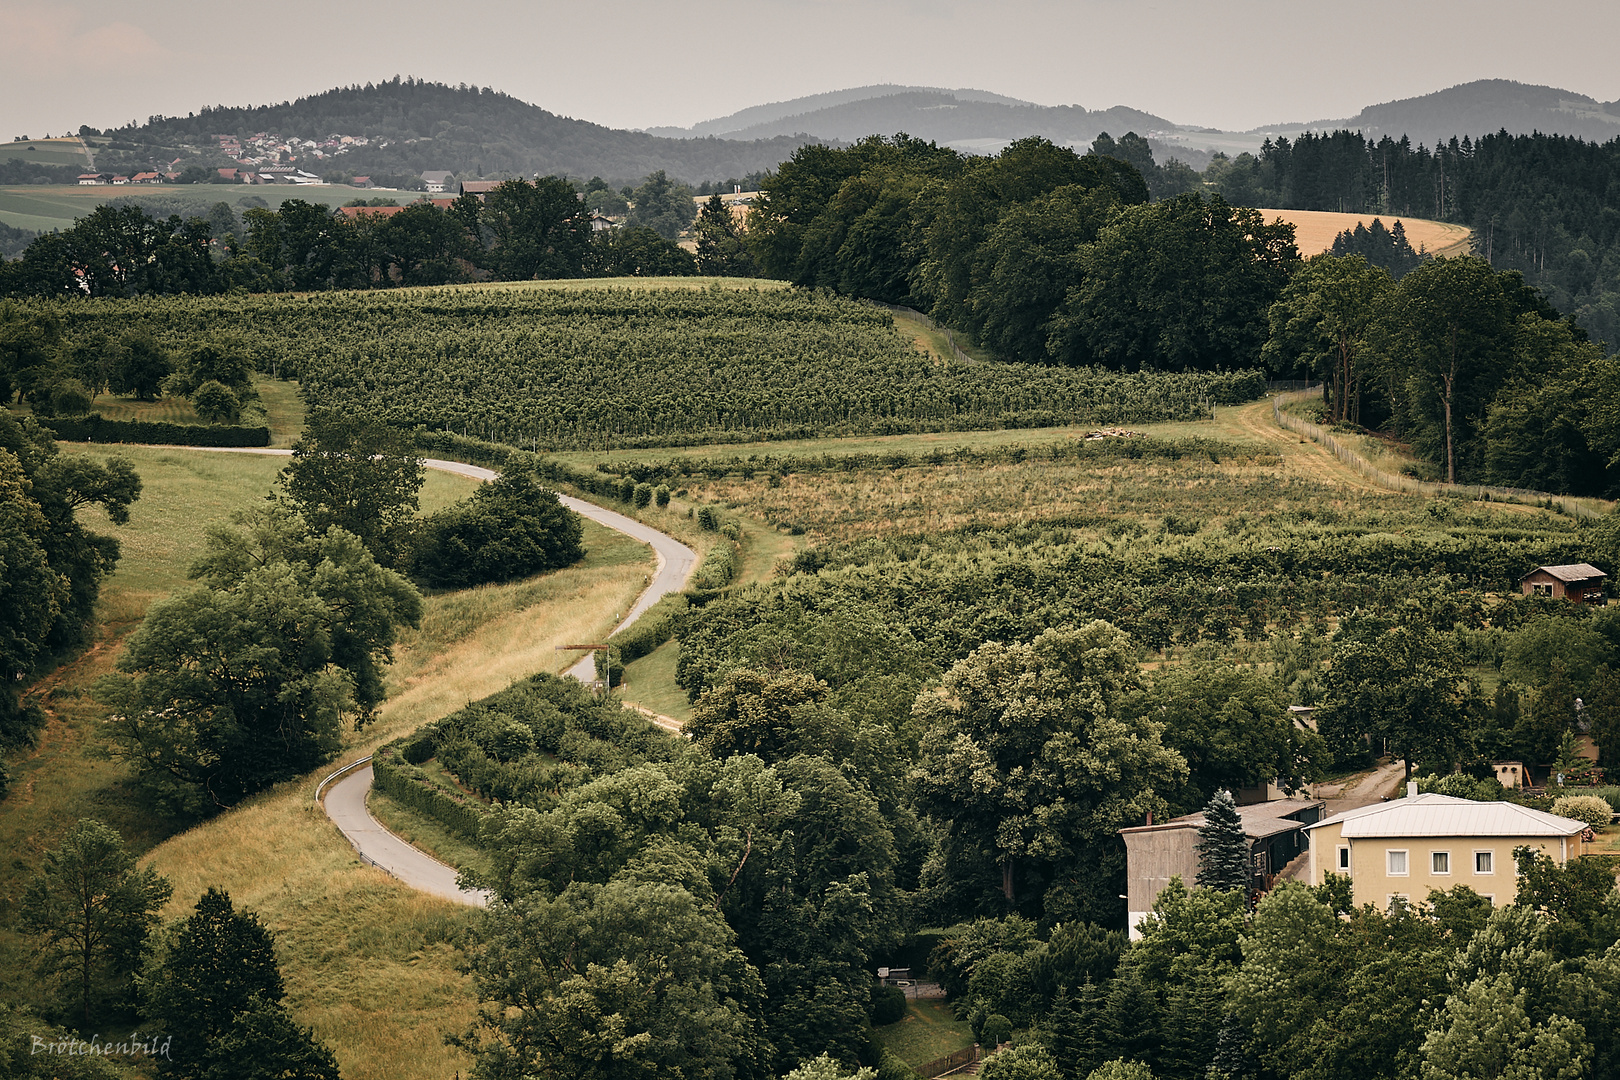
[1156,853]
[1409,846]
[89,178]
[146,178]
[120,180]
[363,182]
[437,180]
[479,188]
[227,174]
[600,223]
[1580,582]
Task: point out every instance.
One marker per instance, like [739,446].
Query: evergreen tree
[720,247]
[1223,849]
[1232,1060]
[1130,1022]
[1192,1025]
[1072,1029]
[217,981]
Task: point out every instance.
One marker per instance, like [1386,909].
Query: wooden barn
[1580,582]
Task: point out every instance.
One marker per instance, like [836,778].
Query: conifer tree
[1130,1026]
[1223,849]
[218,982]
[1071,1028]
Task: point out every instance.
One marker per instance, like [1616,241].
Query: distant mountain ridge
[971,120]
[1486,106]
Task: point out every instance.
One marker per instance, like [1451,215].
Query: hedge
[96,429]
[394,775]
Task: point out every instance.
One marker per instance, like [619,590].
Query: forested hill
[470,131]
[1485,107]
[945,116]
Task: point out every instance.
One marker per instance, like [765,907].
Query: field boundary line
[1411,485]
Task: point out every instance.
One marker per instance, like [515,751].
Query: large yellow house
[1409,846]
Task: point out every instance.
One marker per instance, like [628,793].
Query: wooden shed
[1580,582]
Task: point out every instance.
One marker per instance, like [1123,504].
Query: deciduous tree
[90,909]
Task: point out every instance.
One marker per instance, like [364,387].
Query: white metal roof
[1443,815]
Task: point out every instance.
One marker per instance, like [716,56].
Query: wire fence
[1411,485]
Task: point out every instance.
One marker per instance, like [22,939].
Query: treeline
[1470,365]
[51,566]
[522,231]
[1544,205]
[1041,254]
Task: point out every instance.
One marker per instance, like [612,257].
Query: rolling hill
[412,126]
[1483,108]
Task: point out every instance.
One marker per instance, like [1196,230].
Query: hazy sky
[1233,64]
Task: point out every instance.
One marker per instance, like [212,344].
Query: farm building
[1156,853]
[436,180]
[480,188]
[1580,582]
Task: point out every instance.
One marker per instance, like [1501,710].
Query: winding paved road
[345,798]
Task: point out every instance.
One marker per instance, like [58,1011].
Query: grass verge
[650,683]
[430,835]
[928,1032]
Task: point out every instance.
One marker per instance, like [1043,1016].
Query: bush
[997,1030]
[719,567]
[627,489]
[216,403]
[1594,811]
[707,519]
[661,495]
[642,496]
[508,529]
[1609,793]
[888,1005]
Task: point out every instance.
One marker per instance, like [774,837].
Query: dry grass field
[1314,230]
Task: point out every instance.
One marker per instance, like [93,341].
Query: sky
[1230,64]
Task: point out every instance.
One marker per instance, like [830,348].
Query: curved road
[345,799]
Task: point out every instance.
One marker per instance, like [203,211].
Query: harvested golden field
[1314,230]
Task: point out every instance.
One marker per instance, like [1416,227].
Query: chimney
[1411,789]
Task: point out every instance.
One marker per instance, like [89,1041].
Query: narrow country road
[345,798]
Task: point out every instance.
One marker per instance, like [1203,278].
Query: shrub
[508,529]
[70,398]
[707,519]
[888,1005]
[642,495]
[95,429]
[661,495]
[997,1030]
[1609,793]
[216,403]
[627,489]
[1594,811]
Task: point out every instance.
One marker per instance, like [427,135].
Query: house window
[1344,860]
[1484,862]
[1542,588]
[1397,863]
[1440,862]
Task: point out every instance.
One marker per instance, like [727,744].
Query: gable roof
[1570,572]
[1444,815]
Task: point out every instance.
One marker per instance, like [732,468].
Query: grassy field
[57,206]
[57,151]
[1315,230]
[929,1031]
[650,683]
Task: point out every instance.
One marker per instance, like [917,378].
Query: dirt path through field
[1303,456]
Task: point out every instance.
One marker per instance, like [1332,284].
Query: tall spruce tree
[1072,1029]
[1223,849]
